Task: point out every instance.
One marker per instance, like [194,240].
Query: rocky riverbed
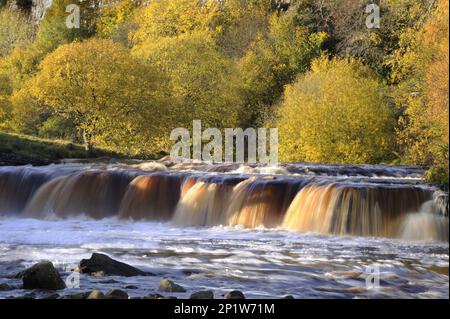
[42,280]
[153,260]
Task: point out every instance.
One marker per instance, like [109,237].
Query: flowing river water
[306,230]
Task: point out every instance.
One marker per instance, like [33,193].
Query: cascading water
[96,194]
[308,230]
[387,206]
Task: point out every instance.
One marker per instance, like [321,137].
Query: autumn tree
[320,121]
[116,20]
[168,18]
[273,61]
[102,88]
[202,83]
[348,35]
[15,31]
[421,76]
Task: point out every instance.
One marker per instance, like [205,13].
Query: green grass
[45,150]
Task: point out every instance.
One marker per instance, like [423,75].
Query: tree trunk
[87,138]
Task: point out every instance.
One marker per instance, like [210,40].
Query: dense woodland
[338,91]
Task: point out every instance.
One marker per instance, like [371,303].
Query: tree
[201,82]
[421,77]
[15,31]
[273,61]
[322,122]
[115,20]
[241,22]
[5,104]
[53,30]
[102,88]
[348,35]
[168,18]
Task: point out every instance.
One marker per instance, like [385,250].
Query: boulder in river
[42,275]
[96,294]
[207,294]
[235,294]
[116,294]
[6,287]
[100,263]
[80,295]
[169,286]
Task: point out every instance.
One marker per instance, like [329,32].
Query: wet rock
[96,294]
[42,276]
[288,297]
[81,295]
[207,294]
[116,294]
[169,286]
[6,287]
[98,274]
[100,264]
[235,294]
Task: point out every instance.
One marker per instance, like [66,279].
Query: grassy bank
[17,149]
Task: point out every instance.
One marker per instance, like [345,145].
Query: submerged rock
[169,286]
[42,276]
[207,294]
[6,287]
[102,265]
[116,294]
[235,294]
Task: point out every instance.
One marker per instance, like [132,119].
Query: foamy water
[262,263]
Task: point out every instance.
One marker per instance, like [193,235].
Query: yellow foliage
[201,82]
[421,67]
[163,18]
[335,113]
[108,94]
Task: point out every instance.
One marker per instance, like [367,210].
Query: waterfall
[226,195]
[151,197]
[96,194]
[344,209]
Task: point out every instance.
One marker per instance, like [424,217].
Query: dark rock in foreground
[235,294]
[100,264]
[169,286]
[116,294]
[96,294]
[81,295]
[207,294]
[42,276]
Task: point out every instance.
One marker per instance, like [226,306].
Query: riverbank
[18,149]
